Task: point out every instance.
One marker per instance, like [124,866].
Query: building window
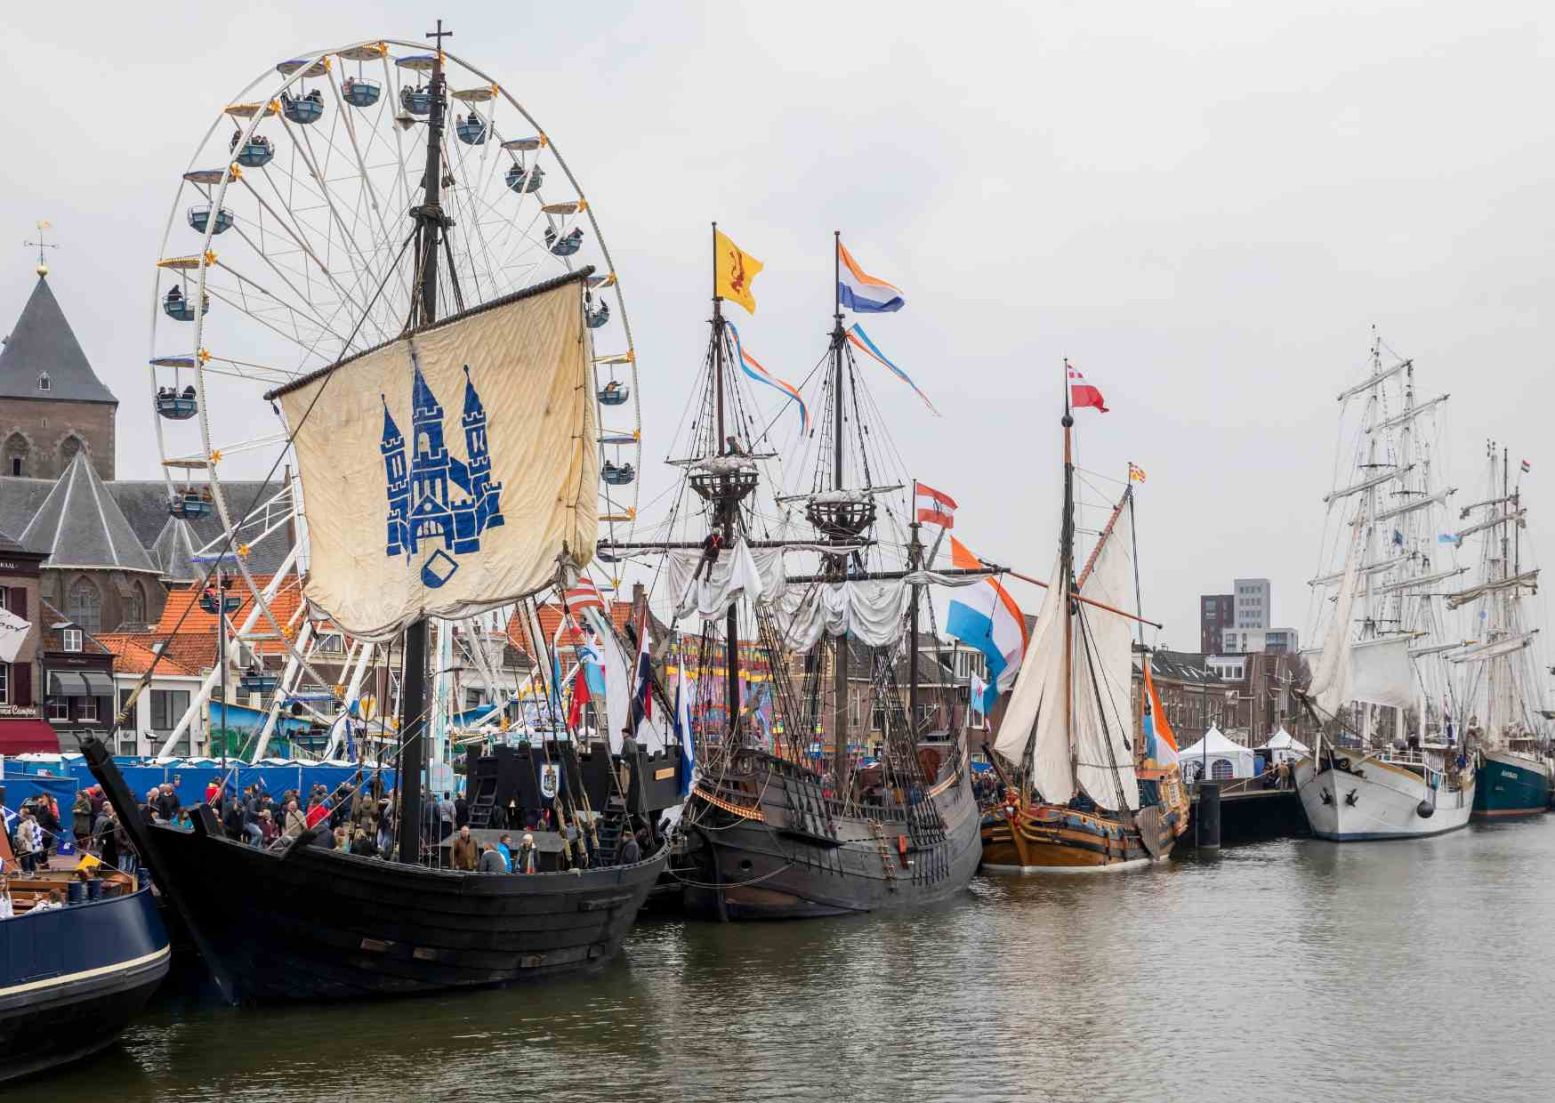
[124,699]
[331,643]
[5,683]
[86,708]
[84,606]
[71,639]
[69,447]
[135,607]
[44,383]
[59,708]
[167,708]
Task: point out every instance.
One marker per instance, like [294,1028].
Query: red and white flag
[934,507]
[1082,393]
[582,595]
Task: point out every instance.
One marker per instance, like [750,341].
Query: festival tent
[1216,757]
[1284,747]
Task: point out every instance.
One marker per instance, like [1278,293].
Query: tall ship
[1083,791]
[406,511]
[824,598]
[1386,764]
[1501,687]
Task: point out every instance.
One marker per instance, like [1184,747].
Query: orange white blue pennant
[753,368]
[860,340]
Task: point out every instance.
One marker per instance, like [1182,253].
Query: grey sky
[1204,206]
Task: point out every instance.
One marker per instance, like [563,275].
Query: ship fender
[1425,810]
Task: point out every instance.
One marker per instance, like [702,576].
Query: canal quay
[1293,970]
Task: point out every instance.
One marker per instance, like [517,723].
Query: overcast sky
[1204,206]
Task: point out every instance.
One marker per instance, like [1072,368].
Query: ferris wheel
[290,246]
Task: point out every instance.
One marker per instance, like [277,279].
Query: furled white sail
[872,611]
[1330,688]
[1104,671]
[1382,672]
[1511,516]
[1494,649]
[740,573]
[1463,597]
[452,470]
[1034,717]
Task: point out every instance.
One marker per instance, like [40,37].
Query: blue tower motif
[436,499]
[398,481]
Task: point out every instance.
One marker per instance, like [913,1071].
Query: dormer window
[43,381]
[72,639]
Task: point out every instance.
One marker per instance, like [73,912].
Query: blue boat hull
[1509,785]
[72,978]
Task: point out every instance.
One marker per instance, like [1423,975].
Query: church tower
[52,405]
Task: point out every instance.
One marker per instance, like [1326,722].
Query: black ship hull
[72,978]
[766,843]
[312,924]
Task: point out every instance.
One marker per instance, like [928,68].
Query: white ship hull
[1379,800]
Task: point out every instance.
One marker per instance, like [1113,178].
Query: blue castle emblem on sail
[437,500]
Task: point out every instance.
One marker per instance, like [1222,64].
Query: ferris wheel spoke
[384,236]
[299,239]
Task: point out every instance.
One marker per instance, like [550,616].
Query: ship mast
[1066,574]
[838,565]
[726,514]
[430,222]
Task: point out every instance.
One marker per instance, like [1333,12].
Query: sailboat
[1508,723]
[773,827]
[1077,798]
[1385,765]
[303,921]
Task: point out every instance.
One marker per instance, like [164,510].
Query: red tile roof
[551,619]
[133,653]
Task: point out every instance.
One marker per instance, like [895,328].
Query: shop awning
[27,736]
[80,683]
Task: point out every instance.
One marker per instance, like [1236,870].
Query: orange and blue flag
[862,293]
[753,368]
[860,340]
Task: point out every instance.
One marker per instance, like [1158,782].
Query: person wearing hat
[526,854]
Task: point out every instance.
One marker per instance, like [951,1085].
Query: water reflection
[1290,971]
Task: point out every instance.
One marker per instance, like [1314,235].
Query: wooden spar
[1106,532]
[1084,600]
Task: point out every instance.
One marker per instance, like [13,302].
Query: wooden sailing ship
[773,827]
[301,921]
[1082,792]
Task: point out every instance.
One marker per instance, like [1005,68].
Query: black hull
[314,924]
[102,962]
[805,859]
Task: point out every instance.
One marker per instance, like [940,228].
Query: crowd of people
[36,831]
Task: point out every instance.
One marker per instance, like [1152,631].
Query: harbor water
[1295,970]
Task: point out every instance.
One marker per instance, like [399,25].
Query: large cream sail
[1104,672]
[451,470]
[1034,720]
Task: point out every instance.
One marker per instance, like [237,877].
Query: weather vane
[43,226]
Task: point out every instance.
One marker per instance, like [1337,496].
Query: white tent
[1216,757]
[1284,747]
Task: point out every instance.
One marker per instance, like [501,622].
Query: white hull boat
[1358,798]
